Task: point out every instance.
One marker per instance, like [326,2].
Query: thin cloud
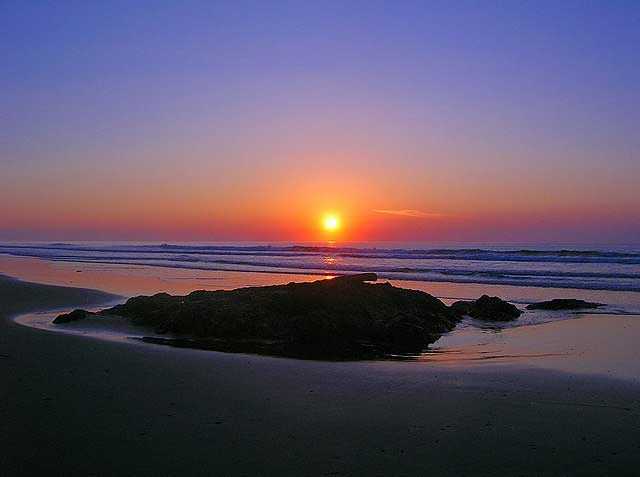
[418,214]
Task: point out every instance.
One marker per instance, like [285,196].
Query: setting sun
[331,223]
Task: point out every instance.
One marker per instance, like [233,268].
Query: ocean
[519,273]
[572,266]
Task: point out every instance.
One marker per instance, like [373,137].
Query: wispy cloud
[418,214]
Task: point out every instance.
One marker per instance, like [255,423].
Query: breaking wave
[597,269]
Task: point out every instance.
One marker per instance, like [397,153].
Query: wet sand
[132,280]
[73,405]
[590,344]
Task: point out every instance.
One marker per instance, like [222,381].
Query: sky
[411,121]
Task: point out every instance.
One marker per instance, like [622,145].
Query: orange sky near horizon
[284,196]
[289,206]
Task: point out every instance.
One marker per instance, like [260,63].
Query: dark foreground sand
[72,405]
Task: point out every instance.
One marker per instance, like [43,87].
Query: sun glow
[331,223]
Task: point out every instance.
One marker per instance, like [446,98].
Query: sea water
[588,267]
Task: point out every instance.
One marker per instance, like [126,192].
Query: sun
[331,223]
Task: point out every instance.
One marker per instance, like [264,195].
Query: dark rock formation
[344,317]
[462,307]
[489,308]
[75,315]
[563,304]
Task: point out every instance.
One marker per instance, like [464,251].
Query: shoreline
[142,280]
[166,411]
[405,264]
[471,343]
[563,344]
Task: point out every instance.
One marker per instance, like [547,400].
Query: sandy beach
[73,405]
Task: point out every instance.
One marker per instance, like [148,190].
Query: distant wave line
[348,268]
[559,256]
[498,277]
